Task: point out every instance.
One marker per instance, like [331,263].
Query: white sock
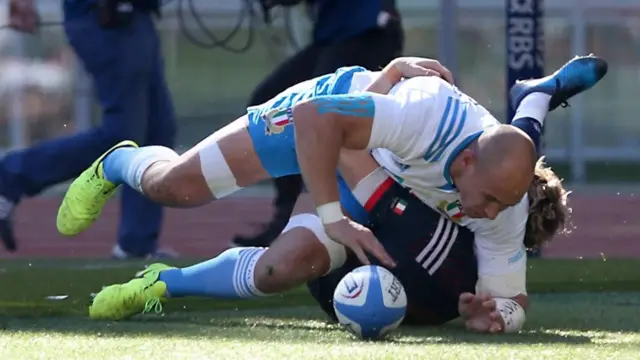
[535,106]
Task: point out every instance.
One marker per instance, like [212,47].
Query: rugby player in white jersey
[496,142]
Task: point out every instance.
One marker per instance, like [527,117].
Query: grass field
[580,309]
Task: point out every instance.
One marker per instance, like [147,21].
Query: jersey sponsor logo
[453,210]
[276,120]
[437,249]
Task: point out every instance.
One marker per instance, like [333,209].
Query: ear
[468,157]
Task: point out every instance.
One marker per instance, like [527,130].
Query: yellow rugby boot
[141,295]
[87,195]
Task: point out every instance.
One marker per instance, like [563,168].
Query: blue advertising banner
[525,42]
[525,50]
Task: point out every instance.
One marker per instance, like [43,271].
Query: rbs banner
[525,49]
[525,45]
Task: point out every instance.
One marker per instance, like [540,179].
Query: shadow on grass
[302,324]
[451,334]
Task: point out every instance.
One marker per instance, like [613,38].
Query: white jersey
[418,130]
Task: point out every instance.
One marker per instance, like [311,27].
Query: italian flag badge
[400,207]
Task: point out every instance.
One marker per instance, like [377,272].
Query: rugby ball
[370,302]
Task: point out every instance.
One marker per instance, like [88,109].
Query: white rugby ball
[370,302]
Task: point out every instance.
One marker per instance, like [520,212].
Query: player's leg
[219,165]
[301,253]
[216,167]
[140,218]
[322,288]
[533,99]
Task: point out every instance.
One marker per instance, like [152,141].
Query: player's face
[484,195]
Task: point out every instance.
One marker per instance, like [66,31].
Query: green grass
[571,317]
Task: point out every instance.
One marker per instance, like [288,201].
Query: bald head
[508,145]
[509,156]
[494,172]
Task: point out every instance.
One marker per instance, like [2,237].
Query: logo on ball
[353,288]
[369,302]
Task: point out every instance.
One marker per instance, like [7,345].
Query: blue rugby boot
[579,74]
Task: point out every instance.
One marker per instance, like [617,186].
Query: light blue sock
[228,275]
[128,164]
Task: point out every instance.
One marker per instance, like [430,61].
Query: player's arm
[502,267]
[407,67]
[326,124]
[507,295]
[323,126]
[500,302]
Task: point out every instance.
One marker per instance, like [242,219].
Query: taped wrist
[512,313]
[330,213]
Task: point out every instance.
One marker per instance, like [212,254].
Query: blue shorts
[276,145]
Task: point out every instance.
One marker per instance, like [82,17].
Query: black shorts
[435,257]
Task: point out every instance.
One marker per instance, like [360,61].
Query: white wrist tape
[330,213]
[512,313]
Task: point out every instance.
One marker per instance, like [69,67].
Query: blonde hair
[548,210]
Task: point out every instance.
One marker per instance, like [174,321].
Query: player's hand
[360,240]
[23,16]
[480,314]
[415,66]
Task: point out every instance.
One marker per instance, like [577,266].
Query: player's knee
[168,180]
[298,256]
[272,277]
[336,252]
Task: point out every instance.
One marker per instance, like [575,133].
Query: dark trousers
[434,266]
[372,50]
[128,74]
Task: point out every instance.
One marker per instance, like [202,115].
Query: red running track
[605,226]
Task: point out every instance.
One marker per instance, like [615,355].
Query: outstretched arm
[494,312]
[501,299]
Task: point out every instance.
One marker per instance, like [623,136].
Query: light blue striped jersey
[433,123]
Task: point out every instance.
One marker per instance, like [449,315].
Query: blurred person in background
[367,33]
[37,92]
[118,45]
